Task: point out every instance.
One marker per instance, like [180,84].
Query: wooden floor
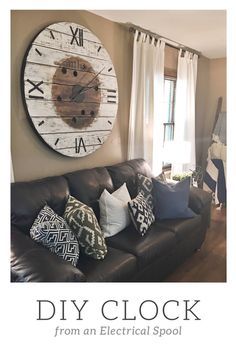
[208,264]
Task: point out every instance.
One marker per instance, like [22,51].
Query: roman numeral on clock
[79,145]
[80,43]
[41,123]
[52,35]
[81,37]
[111,96]
[37,51]
[36,87]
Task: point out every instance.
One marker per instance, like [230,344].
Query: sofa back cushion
[87,185]
[127,172]
[28,198]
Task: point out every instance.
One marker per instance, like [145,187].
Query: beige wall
[171,61]
[211,85]
[31,157]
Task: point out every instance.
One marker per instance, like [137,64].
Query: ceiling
[202,30]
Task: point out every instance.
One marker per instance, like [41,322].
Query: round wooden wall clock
[70,89]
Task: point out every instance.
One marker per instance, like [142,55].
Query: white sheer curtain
[185,110]
[145,124]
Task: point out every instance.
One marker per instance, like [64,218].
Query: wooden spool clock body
[70,89]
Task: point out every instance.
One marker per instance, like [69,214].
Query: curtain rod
[168,41]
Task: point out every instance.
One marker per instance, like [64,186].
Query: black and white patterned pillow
[141,214]
[85,226]
[145,187]
[51,230]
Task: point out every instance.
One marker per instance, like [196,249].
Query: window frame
[171,77]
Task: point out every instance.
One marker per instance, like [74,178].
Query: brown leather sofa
[130,257]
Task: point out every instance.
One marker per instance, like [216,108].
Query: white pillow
[114,214]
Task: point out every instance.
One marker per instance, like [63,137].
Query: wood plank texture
[67,89]
[57,125]
[91,44]
[53,57]
[67,144]
[36,72]
[47,108]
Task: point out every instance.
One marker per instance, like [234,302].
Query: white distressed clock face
[70,89]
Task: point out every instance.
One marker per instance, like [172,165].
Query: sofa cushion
[28,198]
[87,185]
[171,200]
[51,230]
[118,266]
[141,214]
[31,262]
[84,224]
[182,228]
[114,214]
[198,199]
[127,172]
[157,242]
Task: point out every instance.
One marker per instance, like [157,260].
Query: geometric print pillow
[141,214]
[85,226]
[51,230]
[145,187]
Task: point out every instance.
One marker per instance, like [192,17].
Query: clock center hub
[76,92]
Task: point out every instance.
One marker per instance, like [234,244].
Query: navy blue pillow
[171,200]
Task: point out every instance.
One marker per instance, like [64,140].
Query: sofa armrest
[31,262]
[199,199]
[200,202]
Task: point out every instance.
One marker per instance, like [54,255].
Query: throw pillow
[171,200]
[51,230]
[145,187]
[141,214]
[122,194]
[114,214]
[84,224]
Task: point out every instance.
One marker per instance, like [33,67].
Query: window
[169,110]
[169,105]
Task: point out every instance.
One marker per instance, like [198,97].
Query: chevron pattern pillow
[84,224]
[141,214]
[51,230]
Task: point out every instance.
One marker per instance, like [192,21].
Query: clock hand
[89,88]
[85,88]
[95,77]
[76,94]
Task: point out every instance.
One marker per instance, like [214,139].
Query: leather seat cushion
[117,266]
[182,228]
[157,242]
[32,262]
